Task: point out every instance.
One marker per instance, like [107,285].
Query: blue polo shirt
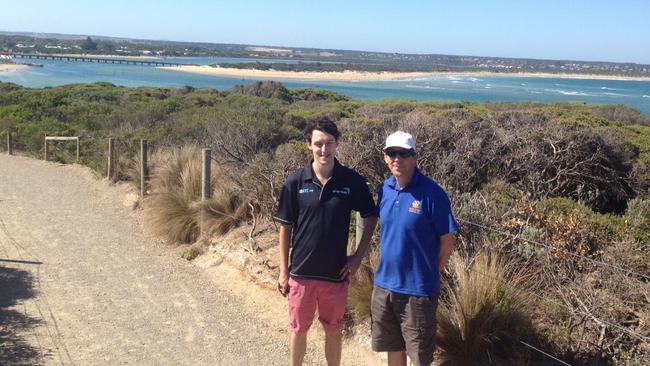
[412,221]
[320,216]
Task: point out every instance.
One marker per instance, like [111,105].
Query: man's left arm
[447,242]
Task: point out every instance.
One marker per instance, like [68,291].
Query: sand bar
[11,67]
[302,75]
[369,76]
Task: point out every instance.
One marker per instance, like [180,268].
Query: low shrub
[484,314]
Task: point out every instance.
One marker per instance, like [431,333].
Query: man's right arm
[285,240]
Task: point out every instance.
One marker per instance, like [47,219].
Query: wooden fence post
[144,168]
[77,149]
[205,177]
[111,159]
[359,229]
[45,148]
[206,188]
[10,150]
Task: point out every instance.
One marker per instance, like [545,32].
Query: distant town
[327,59]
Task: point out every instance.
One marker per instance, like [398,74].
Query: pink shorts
[306,295]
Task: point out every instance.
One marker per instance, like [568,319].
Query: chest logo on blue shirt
[416,207]
[306,190]
[344,190]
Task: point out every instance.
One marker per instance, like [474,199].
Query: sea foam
[568,92]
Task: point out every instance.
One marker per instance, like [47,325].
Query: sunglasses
[402,153]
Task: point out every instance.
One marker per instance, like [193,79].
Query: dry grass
[175,210]
[226,210]
[482,316]
[131,168]
[170,215]
[360,291]
[180,170]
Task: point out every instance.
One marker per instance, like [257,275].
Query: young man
[314,213]
[416,239]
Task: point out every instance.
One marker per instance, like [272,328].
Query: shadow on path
[16,285]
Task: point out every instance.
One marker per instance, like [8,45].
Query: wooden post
[45,148]
[77,149]
[144,169]
[205,177]
[9,144]
[111,159]
[205,186]
[359,229]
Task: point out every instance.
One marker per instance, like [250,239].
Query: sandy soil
[83,284]
[366,76]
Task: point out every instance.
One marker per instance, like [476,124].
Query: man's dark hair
[322,124]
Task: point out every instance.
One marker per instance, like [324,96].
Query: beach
[294,75]
[371,76]
[10,67]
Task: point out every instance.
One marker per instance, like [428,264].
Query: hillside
[557,191]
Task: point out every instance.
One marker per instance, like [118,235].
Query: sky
[595,30]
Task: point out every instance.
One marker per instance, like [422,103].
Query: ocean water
[470,88]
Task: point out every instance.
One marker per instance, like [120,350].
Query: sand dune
[364,75]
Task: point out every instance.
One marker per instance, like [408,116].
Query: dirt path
[80,284]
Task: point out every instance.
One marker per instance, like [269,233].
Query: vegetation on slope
[559,188]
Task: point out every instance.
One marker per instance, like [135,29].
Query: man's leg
[397,358]
[302,307]
[419,329]
[332,297]
[333,346]
[297,348]
[386,330]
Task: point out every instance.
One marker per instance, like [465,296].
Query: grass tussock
[226,210]
[175,210]
[360,291]
[482,315]
[170,215]
[132,168]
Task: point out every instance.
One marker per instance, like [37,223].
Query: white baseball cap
[400,139]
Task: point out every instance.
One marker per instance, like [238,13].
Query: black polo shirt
[320,216]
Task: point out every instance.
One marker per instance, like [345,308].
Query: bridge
[95,59]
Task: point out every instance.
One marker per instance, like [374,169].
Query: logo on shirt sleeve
[416,207]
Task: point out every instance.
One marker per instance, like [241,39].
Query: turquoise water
[470,88]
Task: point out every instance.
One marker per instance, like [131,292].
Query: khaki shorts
[404,323]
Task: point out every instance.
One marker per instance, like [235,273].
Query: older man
[417,236]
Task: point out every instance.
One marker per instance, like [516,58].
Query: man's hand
[351,267]
[283,283]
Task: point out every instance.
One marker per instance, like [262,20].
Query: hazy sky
[591,30]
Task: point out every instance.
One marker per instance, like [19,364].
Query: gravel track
[81,284]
